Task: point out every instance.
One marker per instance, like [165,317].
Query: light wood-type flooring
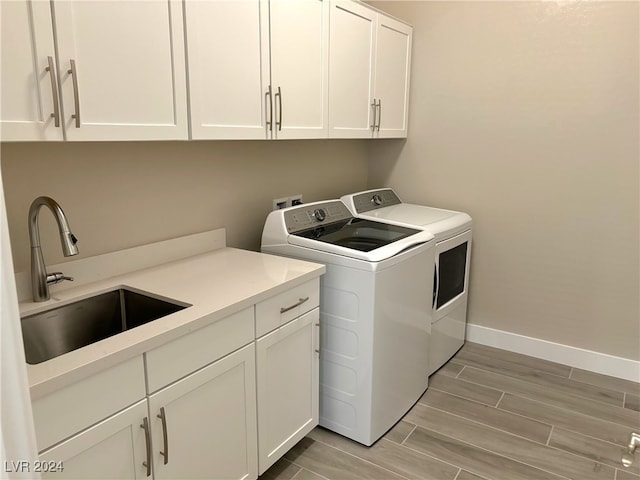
[494,415]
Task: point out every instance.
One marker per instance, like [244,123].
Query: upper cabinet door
[228,61]
[122,69]
[393,66]
[29,86]
[352,43]
[299,34]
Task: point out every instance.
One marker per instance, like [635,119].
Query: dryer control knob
[319,214]
[376,199]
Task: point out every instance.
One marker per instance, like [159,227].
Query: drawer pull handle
[147,439]
[300,302]
[162,416]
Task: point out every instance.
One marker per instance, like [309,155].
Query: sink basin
[60,330]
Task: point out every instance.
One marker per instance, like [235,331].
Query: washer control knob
[376,199]
[319,214]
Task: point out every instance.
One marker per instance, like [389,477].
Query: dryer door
[448,329]
[452,271]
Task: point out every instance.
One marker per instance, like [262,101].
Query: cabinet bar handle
[279,121]
[300,302]
[54,92]
[147,439]
[73,71]
[379,114]
[163,416]
[269,106]
[374,105]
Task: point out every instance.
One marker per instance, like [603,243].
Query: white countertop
[215,284]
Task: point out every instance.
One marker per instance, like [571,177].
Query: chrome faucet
[40,279]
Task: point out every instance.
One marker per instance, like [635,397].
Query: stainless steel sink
[60,330]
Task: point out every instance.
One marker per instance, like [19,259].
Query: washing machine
[453,234]
[375,311]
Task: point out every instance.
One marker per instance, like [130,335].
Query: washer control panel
[367,201]
[314,215]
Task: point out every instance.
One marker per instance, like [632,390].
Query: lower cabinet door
[287,362]
[204,426]
[113,449]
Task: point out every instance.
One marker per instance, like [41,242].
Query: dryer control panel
[311,215]
[373,199]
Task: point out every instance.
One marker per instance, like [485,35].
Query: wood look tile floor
[494,415]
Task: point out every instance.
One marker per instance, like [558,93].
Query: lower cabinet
[219,403]
[204,426]
[113,449]
[287,362]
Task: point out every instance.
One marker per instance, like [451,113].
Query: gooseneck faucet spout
[40,280]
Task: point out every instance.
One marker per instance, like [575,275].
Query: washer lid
[361,239]
[358,234]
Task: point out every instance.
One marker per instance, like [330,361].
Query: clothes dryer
[375,311]
[453,234]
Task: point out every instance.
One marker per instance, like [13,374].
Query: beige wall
[525,115]
[119,195]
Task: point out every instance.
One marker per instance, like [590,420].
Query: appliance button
[376,199]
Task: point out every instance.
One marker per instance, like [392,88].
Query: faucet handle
[57,277]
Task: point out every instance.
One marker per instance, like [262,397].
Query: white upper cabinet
[352,48]
[393,69]
[370,60]
[228,61]
[299,67]
[120,71]
[201,69]
[257,69]
[29,86]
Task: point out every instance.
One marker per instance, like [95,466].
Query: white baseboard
[575,357]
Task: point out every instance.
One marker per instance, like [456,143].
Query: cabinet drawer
[186,354]
[71,409]
[282,308]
